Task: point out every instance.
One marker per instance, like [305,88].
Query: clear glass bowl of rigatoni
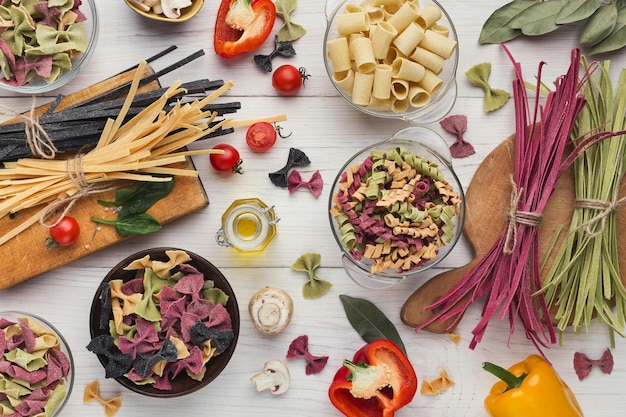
[393,58]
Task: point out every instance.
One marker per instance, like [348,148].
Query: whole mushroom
[275,377]
[270,310]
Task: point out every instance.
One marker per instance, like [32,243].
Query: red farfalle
[299,348]
[457,125]
[315,184]
[583,365]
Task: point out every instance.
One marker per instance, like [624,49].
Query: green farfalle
[51,41]
[494,98]
[146,308]
[316,286]
[26,360]
[290,31]
[62,5]
[21,32]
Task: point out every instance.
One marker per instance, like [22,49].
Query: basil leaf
[538,19]
[136,224]
[369,321]
[141,197]
[616,40]
[147,193]
[577,10]
[599,25]
[498,28]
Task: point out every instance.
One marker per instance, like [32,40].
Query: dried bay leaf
[498,28]
[369,322]
[599,25]
[577,10]
[538,19]
[616,39]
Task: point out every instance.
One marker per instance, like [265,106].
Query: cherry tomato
[288,79]
[261,136]
[227,162]
[65,232]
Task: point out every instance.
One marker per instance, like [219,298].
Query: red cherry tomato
[227,162]
[65,232]
[288,79]
[261,136]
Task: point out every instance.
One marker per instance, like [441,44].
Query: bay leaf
[369,321]
[538,19]
[577,10]
[497,28]
[616,39]
[599,25]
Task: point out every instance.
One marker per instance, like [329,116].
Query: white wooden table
[329,132]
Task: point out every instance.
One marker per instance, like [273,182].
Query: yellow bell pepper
[531,388]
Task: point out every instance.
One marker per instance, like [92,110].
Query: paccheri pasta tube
[399,34]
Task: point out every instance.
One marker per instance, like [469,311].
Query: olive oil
[247,225]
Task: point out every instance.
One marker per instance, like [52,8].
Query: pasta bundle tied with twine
[508,275]
[143,148]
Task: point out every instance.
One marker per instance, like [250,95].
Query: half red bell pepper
[378,381]
[242,26]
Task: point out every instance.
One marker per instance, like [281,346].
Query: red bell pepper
[378,381]
[242,26]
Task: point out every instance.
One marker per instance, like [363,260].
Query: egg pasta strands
[144,148]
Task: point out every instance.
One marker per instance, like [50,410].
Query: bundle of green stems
[584,281]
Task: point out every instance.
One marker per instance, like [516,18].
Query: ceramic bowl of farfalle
[172,11]
[37,365]
[397,208]
[60,45]
[164,322]
[393,59]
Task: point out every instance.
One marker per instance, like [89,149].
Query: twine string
[37,139]
[604,208]
[84,188]
[517,217]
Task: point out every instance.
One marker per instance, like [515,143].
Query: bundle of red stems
[508,275]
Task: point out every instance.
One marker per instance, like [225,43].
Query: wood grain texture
[187,196]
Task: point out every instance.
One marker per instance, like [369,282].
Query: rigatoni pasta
[389,55]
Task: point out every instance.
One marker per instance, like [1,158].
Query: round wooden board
[488,202]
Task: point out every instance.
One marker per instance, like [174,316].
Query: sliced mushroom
[171,8]
[270,310]
[275,377]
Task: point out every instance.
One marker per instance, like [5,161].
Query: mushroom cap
[270,310]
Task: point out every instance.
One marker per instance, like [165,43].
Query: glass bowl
[185,13]
[100,323]
[397,60]
[67,70]
[53,348]
[403,219]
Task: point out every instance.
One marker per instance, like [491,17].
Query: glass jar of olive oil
[247,225]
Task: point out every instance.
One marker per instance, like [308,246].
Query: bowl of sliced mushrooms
[166,10]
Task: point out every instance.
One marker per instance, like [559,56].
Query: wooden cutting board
[26,256]
[488,202]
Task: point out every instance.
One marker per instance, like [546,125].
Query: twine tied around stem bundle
[84,188]
[37,139]
[516,217]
